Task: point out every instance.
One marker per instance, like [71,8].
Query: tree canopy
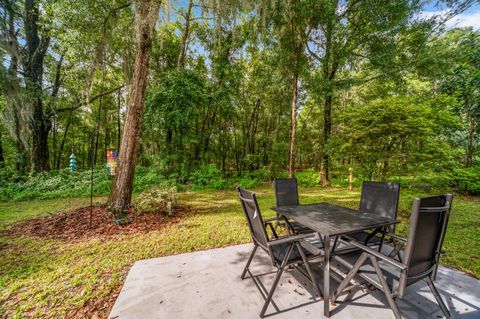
[242,86]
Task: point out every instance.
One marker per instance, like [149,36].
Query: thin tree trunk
[97,131]
[327,129]
[121,194]
[184,43]
[54,144]
[2,158]
[470,144]
[293,140]
[62,145]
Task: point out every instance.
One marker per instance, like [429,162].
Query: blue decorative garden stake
[73,163]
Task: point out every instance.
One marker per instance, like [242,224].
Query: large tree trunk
[14,104]
[293,146]
[119,120]
[145,18]
[40,125]
[470,142]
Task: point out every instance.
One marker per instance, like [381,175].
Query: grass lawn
[50,278]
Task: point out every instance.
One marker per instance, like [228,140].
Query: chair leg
[335,242]
[385,288]
[439,299]
[309,270]
[351,273]
[276,280]
[250,258]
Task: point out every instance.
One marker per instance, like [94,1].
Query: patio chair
[428,224]
[286,194]
[380,198]
[283,252]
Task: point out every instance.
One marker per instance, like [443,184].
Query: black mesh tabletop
[332,220]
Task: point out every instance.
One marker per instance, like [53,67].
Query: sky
[469,18]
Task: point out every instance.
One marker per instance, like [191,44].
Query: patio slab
[207,284]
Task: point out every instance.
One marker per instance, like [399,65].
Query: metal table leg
[326,277]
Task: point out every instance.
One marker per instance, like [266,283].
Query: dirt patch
[75,225]
[97,308]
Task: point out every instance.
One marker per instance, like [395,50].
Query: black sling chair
[283,252]
[379,198]
[428,224]
[286,194]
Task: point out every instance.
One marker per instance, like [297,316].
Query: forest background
[241,92]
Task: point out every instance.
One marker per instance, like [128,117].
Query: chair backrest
[254,217]
[380,198]
[286,192]
[428,225]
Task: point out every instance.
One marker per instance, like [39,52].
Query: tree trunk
[145,18]
[327,128]
[62,145]
[2,158]
[36,49]
[15,103]
[470,144]
[119,120]
[184,44]
[291,166]
[54,143]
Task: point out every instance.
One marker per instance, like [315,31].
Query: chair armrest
[375,253]
[393,235]
[289,239]
[310,247]
[272,219]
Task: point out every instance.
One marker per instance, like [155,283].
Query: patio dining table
[330,221]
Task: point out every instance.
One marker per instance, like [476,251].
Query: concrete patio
[207,284]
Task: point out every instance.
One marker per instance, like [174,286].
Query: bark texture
[145,18]
[40,124]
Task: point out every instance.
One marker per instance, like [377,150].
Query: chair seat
[298,228]
[363,235]
[280,250]
[391,273]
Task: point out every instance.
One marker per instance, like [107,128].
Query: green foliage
[308,178]
[62,183]
[397,136]
[207,177]
[157,200]
[468,180]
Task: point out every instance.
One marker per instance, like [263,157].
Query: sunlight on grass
[50,278]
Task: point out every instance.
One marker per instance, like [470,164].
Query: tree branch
[92,99]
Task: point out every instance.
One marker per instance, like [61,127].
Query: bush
[157,200]
[468,180]
[207,177]
[62,183]
[307,178]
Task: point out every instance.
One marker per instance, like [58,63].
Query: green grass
[50,278]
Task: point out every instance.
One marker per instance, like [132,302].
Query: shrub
[157,200]
[207,177]
[308,177]
[62,183]
[468,180]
